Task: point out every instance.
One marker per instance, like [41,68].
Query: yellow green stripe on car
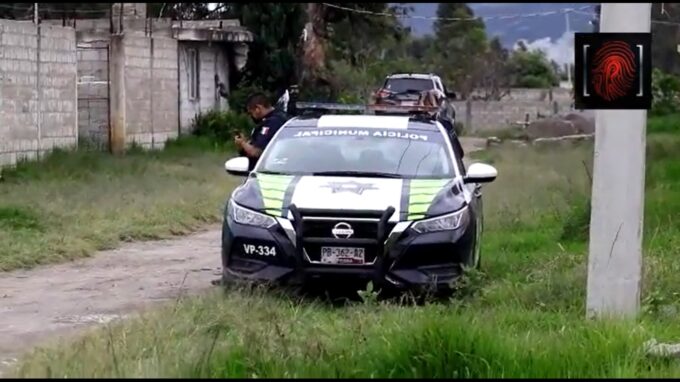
[273,189]
[421,194]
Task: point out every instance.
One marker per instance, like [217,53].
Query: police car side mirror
[237,166]
[451,95]
[480,173]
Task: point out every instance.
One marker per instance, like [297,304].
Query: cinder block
[8,159]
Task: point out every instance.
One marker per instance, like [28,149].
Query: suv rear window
[401,85]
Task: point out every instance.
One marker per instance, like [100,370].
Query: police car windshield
[356,152]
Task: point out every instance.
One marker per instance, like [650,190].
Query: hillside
[511,30]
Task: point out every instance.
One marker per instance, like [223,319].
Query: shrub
[576,226]
[220,126]
[665,91]
[667,123]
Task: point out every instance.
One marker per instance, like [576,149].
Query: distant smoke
[560,50]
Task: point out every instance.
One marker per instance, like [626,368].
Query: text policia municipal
[361,133]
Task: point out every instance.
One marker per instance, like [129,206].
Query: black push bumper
[293,265]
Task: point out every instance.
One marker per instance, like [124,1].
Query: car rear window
[401,85]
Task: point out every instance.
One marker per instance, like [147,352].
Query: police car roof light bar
[316,109]
[429,112]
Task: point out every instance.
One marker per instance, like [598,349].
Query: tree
[595,22]
[272,56]
[460,46]
[360,64]
[665,37]
[531,69]
[494,79]
[182,11]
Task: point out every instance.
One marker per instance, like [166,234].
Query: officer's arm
[257,145]
[251,150]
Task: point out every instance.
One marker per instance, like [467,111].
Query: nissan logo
[342,231]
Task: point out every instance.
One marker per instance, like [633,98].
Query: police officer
[269,121]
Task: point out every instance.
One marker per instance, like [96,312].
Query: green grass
[524,315]
[72,204]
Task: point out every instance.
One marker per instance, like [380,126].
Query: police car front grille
[317,232]
[324,228]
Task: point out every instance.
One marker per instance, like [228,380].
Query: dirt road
[48,302]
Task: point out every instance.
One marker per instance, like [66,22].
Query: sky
[547,32]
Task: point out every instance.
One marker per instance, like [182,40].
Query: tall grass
[526,319]
[74,203]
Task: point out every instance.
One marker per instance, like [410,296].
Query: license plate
[342,255]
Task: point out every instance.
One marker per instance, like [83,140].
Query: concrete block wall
[165,97]
[93,93]
[531,94]
[493,115]
[38,92]
[526,94]
[150,89]
[58,79]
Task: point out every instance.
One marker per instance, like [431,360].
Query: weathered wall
[151,89]
[93,92]
[38,92]
[212,59]
[492,115]
[157,100]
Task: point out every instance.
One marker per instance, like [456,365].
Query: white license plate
[342,255]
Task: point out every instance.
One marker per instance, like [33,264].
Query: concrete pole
[117,95]
[566,18]
[615,258]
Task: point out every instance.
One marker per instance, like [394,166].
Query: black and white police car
[361,197]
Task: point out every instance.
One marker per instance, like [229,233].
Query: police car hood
[412,199]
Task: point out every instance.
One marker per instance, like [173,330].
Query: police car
[361,197]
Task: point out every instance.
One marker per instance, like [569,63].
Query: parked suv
[405,89]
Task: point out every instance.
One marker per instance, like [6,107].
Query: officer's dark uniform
[265,130]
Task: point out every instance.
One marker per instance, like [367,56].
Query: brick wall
[38,109]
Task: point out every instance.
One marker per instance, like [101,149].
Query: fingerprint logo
[613,70]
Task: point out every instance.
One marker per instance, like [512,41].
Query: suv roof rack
[317,109]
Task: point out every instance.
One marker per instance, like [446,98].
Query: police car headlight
[245,216]
[446,222]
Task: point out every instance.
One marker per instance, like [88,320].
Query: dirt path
[48,302]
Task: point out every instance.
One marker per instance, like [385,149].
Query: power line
[53,10]
[435,18]
[660,22]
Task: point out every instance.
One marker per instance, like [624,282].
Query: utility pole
[616,221]
[35,13]
[571,50]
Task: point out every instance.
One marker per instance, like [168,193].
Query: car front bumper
[403,258]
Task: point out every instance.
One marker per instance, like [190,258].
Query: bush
[220,126]
[666,123]
[665,91]
[576,226]
[534,82]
